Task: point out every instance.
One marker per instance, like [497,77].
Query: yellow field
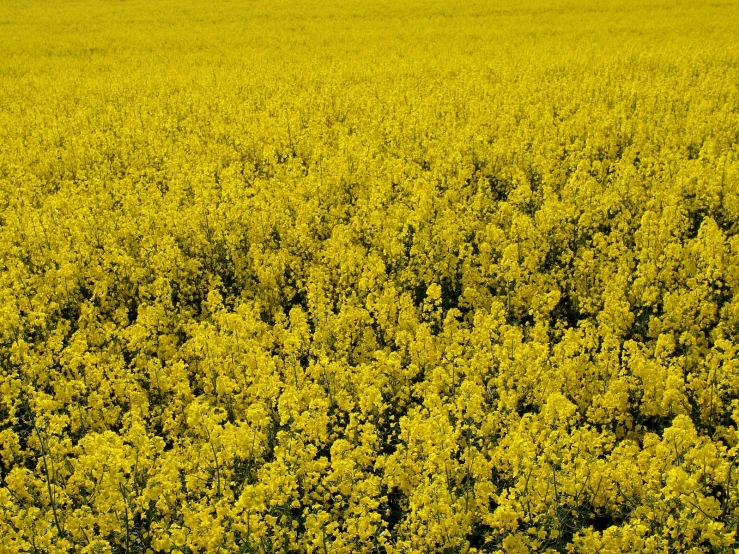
[349,276]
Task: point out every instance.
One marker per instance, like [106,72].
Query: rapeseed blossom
[348,276]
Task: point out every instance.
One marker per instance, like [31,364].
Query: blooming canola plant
[361,276]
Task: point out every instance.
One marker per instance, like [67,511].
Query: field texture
[357,276]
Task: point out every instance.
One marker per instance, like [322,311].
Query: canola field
[369,276]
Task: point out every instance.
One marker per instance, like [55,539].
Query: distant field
[356,276]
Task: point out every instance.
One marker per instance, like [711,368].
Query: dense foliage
[350,276]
